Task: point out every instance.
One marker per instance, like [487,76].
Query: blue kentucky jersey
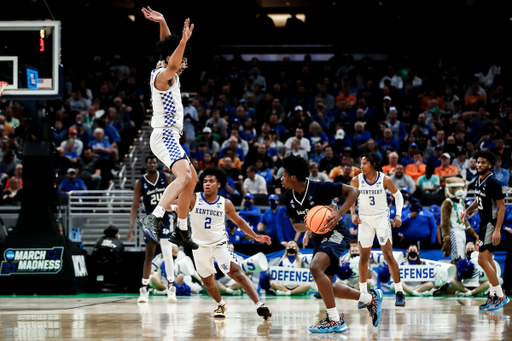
[152,193]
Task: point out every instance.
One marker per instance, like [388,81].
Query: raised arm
[174,63]
[134,211]
[242,224]
[159,18]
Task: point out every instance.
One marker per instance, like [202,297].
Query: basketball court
[109,317]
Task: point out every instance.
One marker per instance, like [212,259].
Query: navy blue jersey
[317,193]
[487,192]
[152,193]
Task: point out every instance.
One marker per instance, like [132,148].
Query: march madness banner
[25,261]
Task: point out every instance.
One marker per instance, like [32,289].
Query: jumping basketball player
[373,219]
[208,212]
[150,187]
[302,195]
[167,124]
[491,208]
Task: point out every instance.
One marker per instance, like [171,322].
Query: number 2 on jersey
[207,223]
[372,200]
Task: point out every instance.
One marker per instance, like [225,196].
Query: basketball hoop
[3,85]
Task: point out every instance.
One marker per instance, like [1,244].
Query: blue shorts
[334,250]
[165,232]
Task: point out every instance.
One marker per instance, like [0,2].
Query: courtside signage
[290,275]
[417,273]
[27,261]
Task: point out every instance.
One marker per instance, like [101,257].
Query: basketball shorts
[334,247]
[458,239]
[165,145]
[485,236]
[205,256]
[370,226]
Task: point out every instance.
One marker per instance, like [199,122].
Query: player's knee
[236,274]
[316,271]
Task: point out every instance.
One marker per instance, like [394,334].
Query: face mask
[469,254]
[174,257]
[415,207]
[291,251]
[460,194]
[405,196]
[273,205]
[354,255]
[247,203]
[413,254]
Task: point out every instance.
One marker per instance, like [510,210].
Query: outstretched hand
[263,239]
[152,15]
[187,30]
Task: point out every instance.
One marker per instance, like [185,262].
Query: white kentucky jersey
[372,197]
[167,106]
[457,210]
[208,221]
[287,263]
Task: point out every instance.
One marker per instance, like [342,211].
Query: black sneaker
[183,238]
[318,296]
[400,299]
[361,305]
[264,312]
[441,290]
[150,225]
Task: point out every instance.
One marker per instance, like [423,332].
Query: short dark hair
[166,46]
[375,161]
[111,231]
[417,153]
[87,148]
[486,154]
[217,173]
[296,165]
[253,168]
[353,241]
[150,157]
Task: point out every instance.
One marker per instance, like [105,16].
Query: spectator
[89,169]
[388,142]
[427,99]
[241,143]
[461,163]
[296,150]
[78,146]
[250,213]
[77,102]
[317,135]
[236,164]
[413,258]
[257,79]
[190,117]
[100,145]
[502,151]
[445,170]
[227,165]
[347,96]
[341,142]
[397,127]
[502,175]
[291,259]
[409,159]
[315,175]
[71,183]
[343,174]
[276,126]
[327,99]
[449,99]
[234,233]
[396,81]
[471,172]
[13,121]
[81,134]
[207,161]
[254,183]
[299,119]
[212,146]
[233,146]
[416,169]
[11,190]
[299,135]
[329,161]
[278,110]
[268,222]
[89,117]
[8,164]
[435,160]
[321,116]
[110,240]
[428,183]
[7,127]
[393,162]
[248,132]
[200,152]
[361,137]
[61,164]
[217,124]
[402,180]
[59,133]
[414,224]
[317,155]
[422,123]
[264,172]
[475,99]
[285,230]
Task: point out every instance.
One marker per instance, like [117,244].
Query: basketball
[317,218]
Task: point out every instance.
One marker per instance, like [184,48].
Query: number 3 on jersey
[372,200]
[207,223]
[479,200]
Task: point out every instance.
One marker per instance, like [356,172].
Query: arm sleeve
[399,202]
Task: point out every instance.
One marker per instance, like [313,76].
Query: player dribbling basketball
[374,219]
[303,195]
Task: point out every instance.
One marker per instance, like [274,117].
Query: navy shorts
[334,251]
[485,236]
[165,232]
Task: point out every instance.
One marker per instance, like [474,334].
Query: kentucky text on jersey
[371,191]
[209,212]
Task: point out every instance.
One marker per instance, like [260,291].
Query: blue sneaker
[499,303]
[375,306]
[329,326]
[488,303]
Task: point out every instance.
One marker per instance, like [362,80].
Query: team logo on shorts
[312,203]
[224,266]
[382,239]
[480,243]
[166,231]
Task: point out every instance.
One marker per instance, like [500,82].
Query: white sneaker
[144,295]
[171,293]
[282,293]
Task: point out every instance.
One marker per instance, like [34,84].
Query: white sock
[288,293]
[498,290]
[145,281]
[398,287]
[221,302]
[159,211]
[491,291]
[333,314]
[365,297]
[182,224]
[363,287]
[259,304]
[229,291]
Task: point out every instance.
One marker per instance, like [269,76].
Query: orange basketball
[317,218]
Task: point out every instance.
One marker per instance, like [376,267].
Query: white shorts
[458,239]
[165,145]
[370,226]
[206,255]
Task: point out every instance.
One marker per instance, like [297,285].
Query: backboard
[30,59]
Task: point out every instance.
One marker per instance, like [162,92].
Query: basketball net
[3,85]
